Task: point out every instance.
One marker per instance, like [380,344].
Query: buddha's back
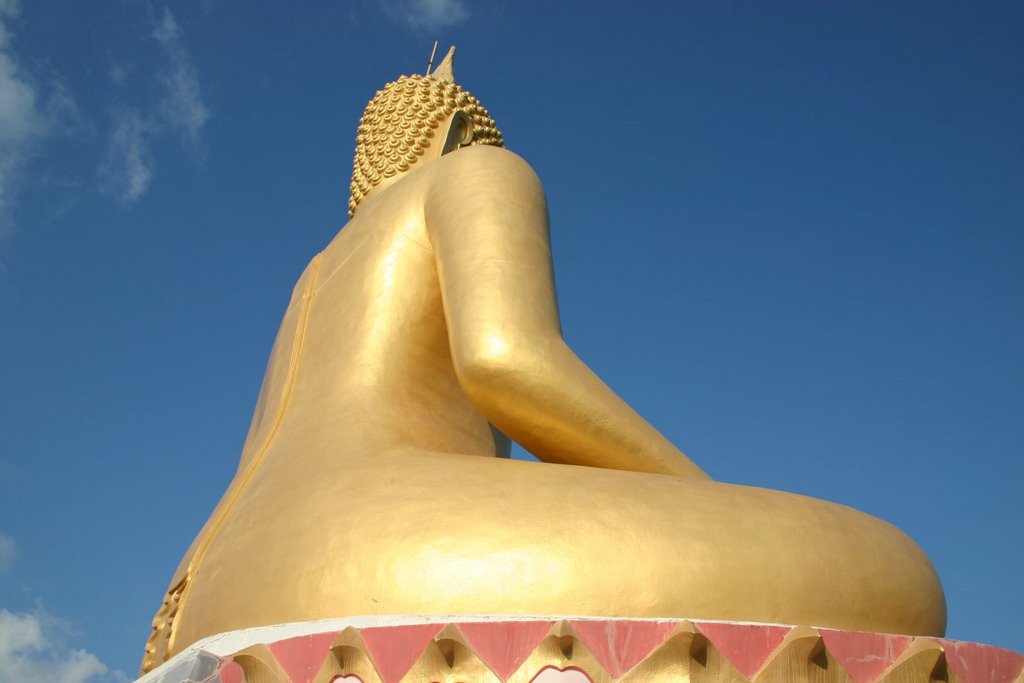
[360,371]
[362,363]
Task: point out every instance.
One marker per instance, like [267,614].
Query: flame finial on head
[445,71]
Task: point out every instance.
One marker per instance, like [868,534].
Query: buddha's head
[413,120]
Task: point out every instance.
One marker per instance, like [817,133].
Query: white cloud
[127,169]
[27,116]
[32,650]
[128,166]
[8,551]
[19,116]
[429,15]
[20,120]
[182,103]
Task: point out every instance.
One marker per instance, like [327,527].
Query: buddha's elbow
[496,371]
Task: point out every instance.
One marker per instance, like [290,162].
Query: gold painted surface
[373,480]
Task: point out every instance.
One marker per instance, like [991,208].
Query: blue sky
[790,234]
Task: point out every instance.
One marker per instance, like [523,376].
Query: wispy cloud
[32,650]
[127,168]
[8,551]
[118,74]
[8,8]
[428,15]
[29,112]
[182,104]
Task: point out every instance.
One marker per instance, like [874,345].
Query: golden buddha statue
[375,478]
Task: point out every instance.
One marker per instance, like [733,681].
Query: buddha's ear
[460,132]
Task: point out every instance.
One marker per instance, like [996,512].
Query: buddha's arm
[487,220]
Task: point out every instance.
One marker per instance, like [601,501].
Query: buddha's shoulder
[480,158]
[483,168]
